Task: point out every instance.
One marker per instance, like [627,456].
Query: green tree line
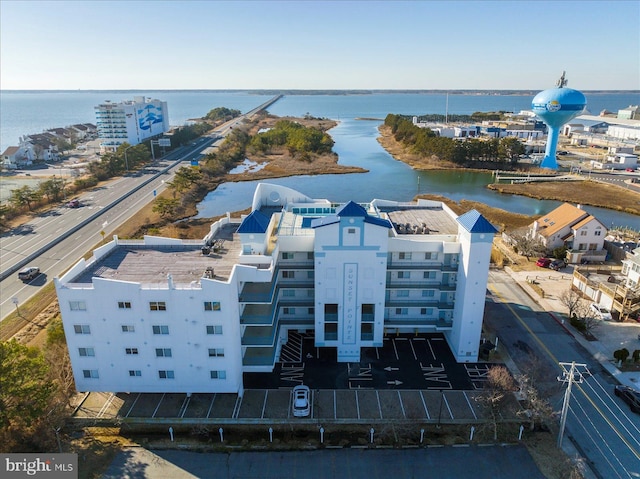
[426,143]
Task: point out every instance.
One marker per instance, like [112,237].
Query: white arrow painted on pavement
[389,368]
[396,382]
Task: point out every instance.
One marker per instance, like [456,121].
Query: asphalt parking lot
[410,378]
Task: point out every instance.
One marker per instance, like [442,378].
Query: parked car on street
[543,262]
[301,405]
[601,312]
[630,396]
[29,273]
[73,204]
[557,264]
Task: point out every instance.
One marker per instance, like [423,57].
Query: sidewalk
[611,335]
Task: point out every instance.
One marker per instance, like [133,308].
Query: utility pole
[571,372]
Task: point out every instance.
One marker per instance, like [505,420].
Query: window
[162,374]
[77,305]
[597,233]
[426,311]
[593,246]
[583,232]
[160,329]
[163,352]
[214,329]
[428,293]
[135,373]
[82,328]
[311,274]
[287,255]
[402,293]
[289,274]
[404,274]
[430,255]
[310,255]
[288,293]
[157,306]
[212,305]
[351,231]
[90,374]
[131,350]
[402,311]
[218,374]
[288,310]
[86,352]
[216,352]
[582,246]
[429,275]
[330,331]
[124,305]
[128,328]
[404,255]
[311,311]
[366,331]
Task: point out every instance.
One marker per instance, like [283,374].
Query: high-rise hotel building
[168,315]
[131,121]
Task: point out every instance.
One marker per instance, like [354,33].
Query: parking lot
[274,405]
[410,378]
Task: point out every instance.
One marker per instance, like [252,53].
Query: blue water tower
[556,107]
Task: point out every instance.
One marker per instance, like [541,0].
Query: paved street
[530,328]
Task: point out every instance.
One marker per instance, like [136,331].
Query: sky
[306,44]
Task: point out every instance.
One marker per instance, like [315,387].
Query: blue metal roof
[474,222]
[350,210]
[256,222]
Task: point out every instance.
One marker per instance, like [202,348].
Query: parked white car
[601,312]
[301,404]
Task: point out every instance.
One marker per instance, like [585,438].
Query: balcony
[435,324]
[259,357]
[425,284]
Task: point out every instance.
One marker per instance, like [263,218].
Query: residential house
[570,226]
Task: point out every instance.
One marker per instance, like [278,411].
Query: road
[55,240]
[599,424]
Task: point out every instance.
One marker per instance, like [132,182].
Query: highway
[600,425]
[57,239]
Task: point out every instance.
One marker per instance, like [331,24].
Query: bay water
[30,112]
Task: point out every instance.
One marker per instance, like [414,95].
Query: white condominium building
[130,121]
[167,315]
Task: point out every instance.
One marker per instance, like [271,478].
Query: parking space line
[290,407]
[106,404]
[357,405]
[401,405]
[158,406]
[211,405]
[185,405]
[426,410]
[431,349]
[415,357]
[379,406]
[393,341]
[236,408]
[312,402]
[134,403]
[264,403]
[447,404]
[335,406]
[469,403]
[378,353]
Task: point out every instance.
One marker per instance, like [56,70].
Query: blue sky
[308,44]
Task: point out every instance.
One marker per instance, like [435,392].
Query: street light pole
[126,160]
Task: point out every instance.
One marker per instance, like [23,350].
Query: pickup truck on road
[29,273]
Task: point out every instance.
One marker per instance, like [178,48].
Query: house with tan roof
[570,226]
[13,157]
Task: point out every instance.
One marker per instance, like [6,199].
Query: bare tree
[539,412]
[527,246]
[498,386]
[571,299]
